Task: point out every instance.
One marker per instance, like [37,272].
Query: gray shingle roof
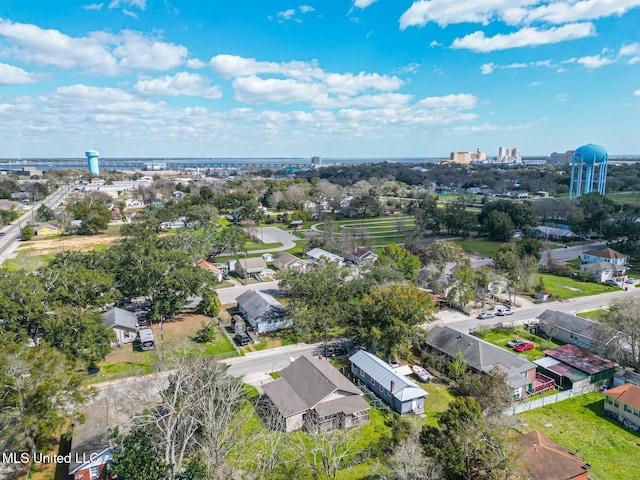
[117,317]
[307,382]
[381,372]
[572,323]
[479,355]
[257,304]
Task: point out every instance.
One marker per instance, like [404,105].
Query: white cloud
[129,13]
[93,6]
[141,4]
[306,9]
[594,61]
[255,90]
[462,101]
[488,128]
[575,11]
[411,68]
[190,84]
[349,84]
[195,63]
[637,93]
[632,51]
[12,75]
[534,84]
[363,3]
[487,68]
[562,97]
[512,12]
[525,37]
[99,53]
[435,43]
[229,66]
[445,12]
[286,14]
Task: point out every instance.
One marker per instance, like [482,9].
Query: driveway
[571,253]
[274,235]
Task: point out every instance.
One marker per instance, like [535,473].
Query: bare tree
[409,463]
[624,320]
[325,451]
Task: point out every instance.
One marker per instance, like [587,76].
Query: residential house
[312,395]
[123,323]
[211,268]
[251,267]
[484,357]
[132,203]
[116,214]
[295,225]
[263,312]
[47,229]
[400,393]
[604,255]
[318,254]
[9,205]
[554,233]
[286,261]
[573,368]
[581,332]
[547,460]
[623,403]
[359,255]
[603,271]
[178,194]
[90,453]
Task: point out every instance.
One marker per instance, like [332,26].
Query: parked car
[485,315]
[349,264]
[242,339]
[524,346]
[1,234]
[630,281]
[226,276]
[612,281]
[513,343]
[503,311]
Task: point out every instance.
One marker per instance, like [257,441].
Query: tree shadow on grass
[598,409]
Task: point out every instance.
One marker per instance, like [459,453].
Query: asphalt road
[572,253]
[9,242]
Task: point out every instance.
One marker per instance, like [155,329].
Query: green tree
[210,304]
[78,334]
[41,391]
[458,366]
[441,254]
[429,218]
[45,214]
[319,300]
[390,315]
[400,259]
[27,233]
[499,226]
[134,455]
[206,333]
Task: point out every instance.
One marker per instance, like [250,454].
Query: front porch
[541,383]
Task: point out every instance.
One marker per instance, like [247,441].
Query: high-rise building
[509,155]
[557,158]
[466,158]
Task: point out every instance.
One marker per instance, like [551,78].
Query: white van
[503,311]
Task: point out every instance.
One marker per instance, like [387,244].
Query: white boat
[422,374]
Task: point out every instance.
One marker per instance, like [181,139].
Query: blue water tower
[92,161]
[587,160]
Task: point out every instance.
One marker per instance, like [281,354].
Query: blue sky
[338,79]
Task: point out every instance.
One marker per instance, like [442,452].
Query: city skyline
[356,79]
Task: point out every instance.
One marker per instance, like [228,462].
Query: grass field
[594,314]
[578,424]
[566,287]
[480,246]
[625,197]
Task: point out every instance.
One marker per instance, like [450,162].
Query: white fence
[549,399]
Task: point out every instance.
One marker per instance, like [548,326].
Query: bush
[27,233]
[206,333]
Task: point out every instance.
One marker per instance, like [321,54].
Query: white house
[604,255]
[317,254]
[262,311]
[603,271]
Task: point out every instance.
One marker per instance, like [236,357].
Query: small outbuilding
[146,339]
[573,368]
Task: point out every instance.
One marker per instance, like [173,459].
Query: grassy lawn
[436,402]
[594,314]
[500,337]
[625,197]
[480,246]
[578,424]
[566,287]
[26,261]
[125,362]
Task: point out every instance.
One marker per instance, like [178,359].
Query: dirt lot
[57,244]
